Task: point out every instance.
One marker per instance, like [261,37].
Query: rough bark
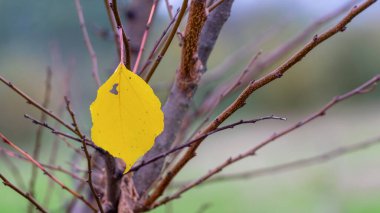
[136,16]
[198,44]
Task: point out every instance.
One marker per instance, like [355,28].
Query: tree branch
[87,41]
[253,86]
[47,166]
[126,53]
[35,104]
[168,41]
[297,164]
[158,44]
[37,146]
[189,143]
[27,196]
[181,94]
[145,36]
[26,155]
[88,156]
[267,60]
[364,88]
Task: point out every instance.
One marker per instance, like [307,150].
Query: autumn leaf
[126,116]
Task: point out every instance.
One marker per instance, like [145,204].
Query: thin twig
[253,86]
[55,146]
[113,26]
[26,195]
[59,133]
[8,153]
[145,36]
[201,137]
[215,5]
[87,41]
[228,63]
[211,102]
[37,146]
[126,53]
[364,88]
[168,41]
[169,8]
[69,145]
[35,104]
[158,44]
[298,164]
[267,60]
[42,168]
[88,156]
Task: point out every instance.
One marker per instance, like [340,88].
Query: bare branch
[24,194]
[267,60]
[47,166]
[357,91]
[299,164]
[136,15]
[59,133]
[126,53]
[55,146]
[188,144]
[215,5]
[181,94]
[169,8]
[145,36]
[88,156]
[37,146]
[26,155]
[158,43]
[253,86]
[87,41]
[168,41]
[212,101]
[35,104]
[113,26]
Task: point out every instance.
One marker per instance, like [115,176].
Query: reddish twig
[169,8]
[37,146]
[272,58]
[253,86]
[212,102]
[297,164]
[87,41]
[364,88]
[126,49]
[201,137]
[113,26]
[26,195]
[35,104]
[55,146]
[42,168]
[168,41]
[157,44]
[59,133]
[88,156]
[215,5]
[145,36]
[47,166]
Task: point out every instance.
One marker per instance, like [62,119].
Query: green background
[37,34]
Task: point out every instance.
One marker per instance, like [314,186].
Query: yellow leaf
[126,116]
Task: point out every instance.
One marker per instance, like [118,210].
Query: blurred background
[38,34]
